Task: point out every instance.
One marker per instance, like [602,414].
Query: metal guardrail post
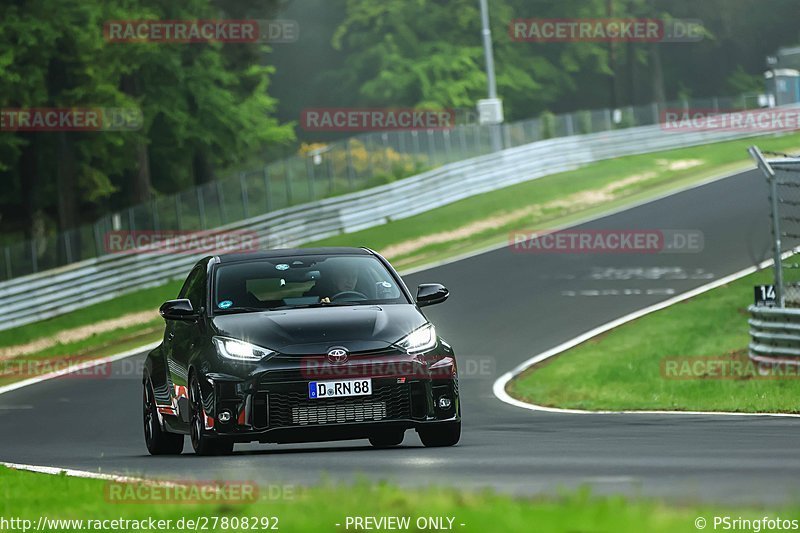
[154,209]
[223,212]
[267,189]
[178,212]
[311,178]
[765,167]
[348,155]
[462,140]
[245,199]
[287,176]
[34,261]
[431,146]
[201,208]
[67,248]
[448,149]
[8,263]
[328,162]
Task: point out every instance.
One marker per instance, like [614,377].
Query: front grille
[326,414]
[293,408]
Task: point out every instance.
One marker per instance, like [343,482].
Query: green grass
[143,300]
[29,496]
[717,158]
[623,370]
[62,355]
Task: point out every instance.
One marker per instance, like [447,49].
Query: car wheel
[158,441]
[441,434]
[387,439]
[202,442]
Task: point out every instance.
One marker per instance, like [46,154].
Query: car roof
[283,252]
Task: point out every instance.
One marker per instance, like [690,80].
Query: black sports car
[299,346]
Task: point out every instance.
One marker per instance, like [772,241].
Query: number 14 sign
[764,295]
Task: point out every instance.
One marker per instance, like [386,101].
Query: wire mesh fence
[354,164]
[783,179]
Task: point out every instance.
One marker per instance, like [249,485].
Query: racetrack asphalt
[504,308]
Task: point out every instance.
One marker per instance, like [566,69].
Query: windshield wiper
[311,306]
[240,309]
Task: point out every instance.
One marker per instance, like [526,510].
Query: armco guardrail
[51,293]
[774,335]
[325,171]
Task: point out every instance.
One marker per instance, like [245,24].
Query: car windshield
[303,281]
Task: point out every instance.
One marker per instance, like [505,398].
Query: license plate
[339,388]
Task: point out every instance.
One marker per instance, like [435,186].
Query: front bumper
[272,405]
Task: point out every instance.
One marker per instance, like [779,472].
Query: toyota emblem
[337,356]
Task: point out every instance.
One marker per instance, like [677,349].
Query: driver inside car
[335,278]
[341,280]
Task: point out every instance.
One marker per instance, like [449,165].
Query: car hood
[358,328]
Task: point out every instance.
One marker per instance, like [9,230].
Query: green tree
[208,99]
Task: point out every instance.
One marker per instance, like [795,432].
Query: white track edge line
[55,471]
[499,387]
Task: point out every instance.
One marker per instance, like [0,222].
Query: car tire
[441,434]
[202,442]
[158,441]
[387,439]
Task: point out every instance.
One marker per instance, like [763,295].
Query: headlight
[420,340]
[240,350]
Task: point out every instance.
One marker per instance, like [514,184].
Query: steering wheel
[361,295]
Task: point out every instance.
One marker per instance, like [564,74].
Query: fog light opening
[444,402]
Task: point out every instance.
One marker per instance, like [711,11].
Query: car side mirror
[431,293]
[178,310]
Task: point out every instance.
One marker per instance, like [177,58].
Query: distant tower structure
[783,77]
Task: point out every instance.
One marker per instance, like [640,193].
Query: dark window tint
[195,288]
